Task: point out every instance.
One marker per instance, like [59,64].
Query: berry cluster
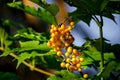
[61,38]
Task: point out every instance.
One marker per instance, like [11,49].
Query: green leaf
[8,76]
[104,4]
[29,34]
[108,69]
[29,44]
[42,48]
[23,56]
[52,8]
[40,13]
[87,8]
[8,51]
[64,75]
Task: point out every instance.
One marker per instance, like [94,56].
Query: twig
[28,65]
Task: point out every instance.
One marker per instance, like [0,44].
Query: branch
[28,65]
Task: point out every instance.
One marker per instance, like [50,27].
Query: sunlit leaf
[40,13]
[23,57]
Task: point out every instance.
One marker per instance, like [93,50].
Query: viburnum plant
[55,50]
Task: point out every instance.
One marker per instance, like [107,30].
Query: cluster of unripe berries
[61,40]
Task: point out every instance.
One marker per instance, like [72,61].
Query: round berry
[59,53]
[68,60]
[67,65]
[85,76]
[62,64]
[69,49]
[72,23]
[81,59]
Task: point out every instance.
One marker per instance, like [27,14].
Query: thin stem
[101,42]
[29,65]
[35,68]
[100,24]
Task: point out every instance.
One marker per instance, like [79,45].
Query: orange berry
[73,56]
[73,60]
[79,70]
[51,31]
[62,64]
[49,43]
[67,65]
[72,23]
[55,28]
[67,44]
[77,60]
[52,39]
[78,65]
[56,49]
[67,54]
[79,53]
[59,53]
[53,35]
[52,26]
[69,49]
[63,27]
[85,76]
[81,59]
[71,68]
[68,60]
[75,51]
[70,28]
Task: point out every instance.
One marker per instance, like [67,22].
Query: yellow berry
[75,51]
[72,23]
[59,53]
[67,65]
[67,44]
[71,68]
[69,49]
[73,56]
[68,60]
[70,28]
[49,43]
[52,26]
[67,54]
[63,27]
[78,65]
[62,64]
[56,49]
[79,70]
[85,76]
[81,59]
[77,60]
